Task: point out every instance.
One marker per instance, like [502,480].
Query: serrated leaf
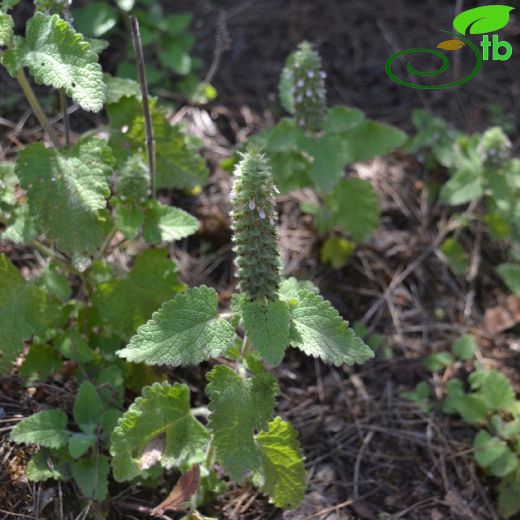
[488,449]
[291,287]
[133,179]
[285,136]
[370,139]
[184,331]
[43,466]
[118,88]
[6,5]
[91,476]
[166,223]
[470,407]
[163,410]
[505,464]
[238,408]
[179,164]
[481,20]
[267,326]
[47,429]
[340,119]
[126,303]
[40,363]
[464,348]
[465,185]
[318,330]
[88,408]
[52,280]
[66,189]
[80,443]
[6,29]
[24,310]
[59,57]
[497,391]
[23,227]
[128,219]
[283,472]
[354,208]
[510,273]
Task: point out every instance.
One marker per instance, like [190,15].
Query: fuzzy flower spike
[254,229]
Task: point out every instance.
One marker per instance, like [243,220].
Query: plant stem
[35,105]
[66,122]
[47,251]
[150,142]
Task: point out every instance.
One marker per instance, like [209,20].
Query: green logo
[480,20]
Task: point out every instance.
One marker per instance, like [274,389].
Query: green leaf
[505,464]
[291,287]
[454,255]
[184,331]
[6,5]
[336,251]
[510,273]
[6,29]
[470,407]
[340,119]
[238,408]
[179,165]
[267,326]
[176,59]
[464,186]
[66,189]
[481,20]
[129,219]
[43,466]
[47,429]
[497,391]
[488,449]
[464,348]
[126,303]
[438,361]
[283,472]
[91,476]
[285,136]
[52,280]
[118,88]
[166,223]
[509,498]
[290,170]
[371,139]
[40,363]
[59,57]
[159,420]
[88,408]
[354,208]
[25,309]
[73,345]
[94,19]
[80,443]
[318,330]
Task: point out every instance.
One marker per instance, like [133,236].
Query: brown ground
[370,454]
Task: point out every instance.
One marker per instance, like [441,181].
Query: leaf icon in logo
[481,20]
[450,45]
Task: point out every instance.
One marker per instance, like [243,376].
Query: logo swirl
[445,63]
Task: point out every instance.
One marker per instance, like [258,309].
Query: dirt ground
[369,453]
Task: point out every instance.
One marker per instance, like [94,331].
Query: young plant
[314,147]
[269,313]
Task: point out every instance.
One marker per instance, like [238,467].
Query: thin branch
[35,105]
[66,122]
[150,143]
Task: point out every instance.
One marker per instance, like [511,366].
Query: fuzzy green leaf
[59,57]
[160,417]
[66,189]
[470,407]
[318,330]
[118,88]
[464,348]
[91,476]
[166,223]
[267,326]
[42,467]
[40,363]
[80,443]
[25,309]
[340,119]
[238,408]
[465,185]
[283,472]
[510,273]
[497,391]
[184,331]
[488,449]
[6,29]
[88,408]
[47,429]
[126,303]
[354,208]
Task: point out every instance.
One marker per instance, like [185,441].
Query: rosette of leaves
[302,87]
[269,314]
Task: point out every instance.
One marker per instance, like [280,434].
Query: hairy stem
[35,105]
[150,142]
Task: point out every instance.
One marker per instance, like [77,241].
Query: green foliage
[91,475]
[481,20]
[510,273]
[162,415]
[47,429]
[238,408]
[454,255]
[283,473]
[464,348]
[66,190]
[58,56]
[6,29]
[184,331]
